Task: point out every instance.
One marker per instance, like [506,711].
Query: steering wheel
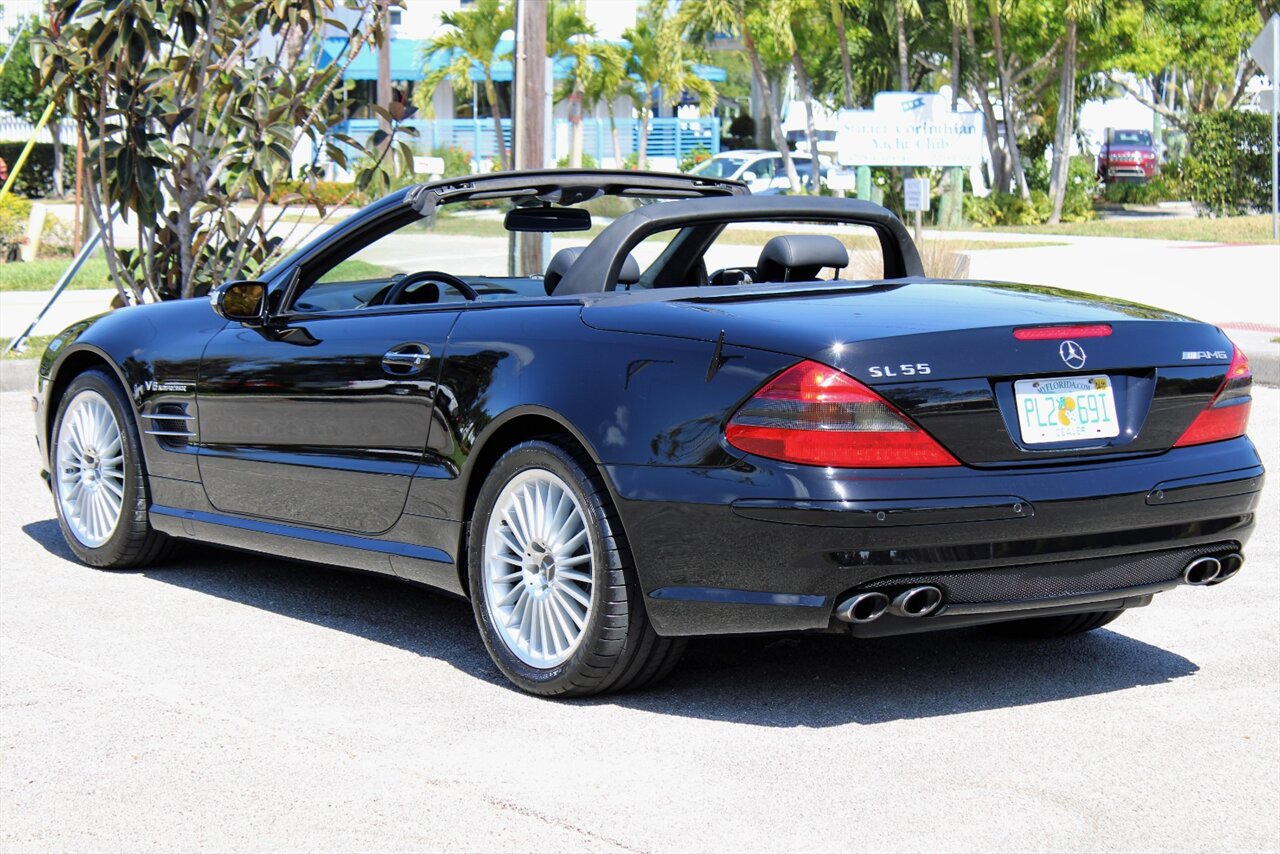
[397,289]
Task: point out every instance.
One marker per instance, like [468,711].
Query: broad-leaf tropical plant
[192,114]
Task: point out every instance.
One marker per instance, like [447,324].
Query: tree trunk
[491,92]
[775,123]
[1006,102]
[55,131]
[642,150]
[999,174]
[575,126]
[617,145]
[1061,169]
[955,68]
[837,14]
[900,20]
[802,80]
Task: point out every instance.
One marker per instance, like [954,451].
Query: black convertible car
[699,421]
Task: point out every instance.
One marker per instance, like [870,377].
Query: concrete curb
[18,374]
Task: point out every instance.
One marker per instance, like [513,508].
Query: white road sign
[916,193]
[1263,49]
[909,129]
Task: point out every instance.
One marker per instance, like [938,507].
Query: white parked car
[762,171]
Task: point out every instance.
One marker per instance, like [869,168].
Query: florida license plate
[1066,409]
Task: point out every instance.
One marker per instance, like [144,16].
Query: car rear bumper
[1130,170]
[766,547]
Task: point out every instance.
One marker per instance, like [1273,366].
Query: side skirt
[420,564]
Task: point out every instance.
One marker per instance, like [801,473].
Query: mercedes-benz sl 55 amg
[719,413]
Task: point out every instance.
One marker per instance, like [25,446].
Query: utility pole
[531,117]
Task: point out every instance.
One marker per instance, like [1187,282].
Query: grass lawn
[42,274]
[33,348]
[1235,229]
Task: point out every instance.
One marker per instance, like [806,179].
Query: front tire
[552,583]
[99,479]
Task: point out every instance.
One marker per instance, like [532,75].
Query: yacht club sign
[909,129]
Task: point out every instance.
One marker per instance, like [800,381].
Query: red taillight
[815,415]
[1227,415]
[1058,333]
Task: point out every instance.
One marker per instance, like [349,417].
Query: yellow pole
[26,151]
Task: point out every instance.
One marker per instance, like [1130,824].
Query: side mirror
[245,302]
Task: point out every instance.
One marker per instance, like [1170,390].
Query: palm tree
[996,8]
[739,17]
[1060,171]
[842,38]
[570,34]
[903,9]
[804,17]
[658,62]
[607,82]
[471,41]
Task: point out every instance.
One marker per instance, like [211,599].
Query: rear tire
[1040,628]
[553,586]
[99,479]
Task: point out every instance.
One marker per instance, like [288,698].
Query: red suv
[1127,155]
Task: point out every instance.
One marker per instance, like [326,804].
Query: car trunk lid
[947,356]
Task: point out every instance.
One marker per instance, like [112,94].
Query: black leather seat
[800,257]
[563,260]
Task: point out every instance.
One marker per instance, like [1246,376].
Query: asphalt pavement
[227,702]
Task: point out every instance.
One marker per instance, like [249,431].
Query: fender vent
[171,423]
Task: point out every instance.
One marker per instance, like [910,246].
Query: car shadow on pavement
[810,680]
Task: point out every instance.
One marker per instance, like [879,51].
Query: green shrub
[1161,188]
[15,212]
[35,181]
[457,161]
[588,162]
[1228,167]
[326,193]
[1012,209]
[980,211]
[693,157]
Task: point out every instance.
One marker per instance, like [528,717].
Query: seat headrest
[799,257]
[563,260]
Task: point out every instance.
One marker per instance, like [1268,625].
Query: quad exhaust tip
[1202,570]
[1229,565]
[916,601]
[911,603]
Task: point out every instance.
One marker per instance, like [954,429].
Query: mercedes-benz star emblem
[1073,354]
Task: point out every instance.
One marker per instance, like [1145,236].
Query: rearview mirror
[547,219]
[245,302]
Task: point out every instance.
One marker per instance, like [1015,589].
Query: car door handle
[406,359]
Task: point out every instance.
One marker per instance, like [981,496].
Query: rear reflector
[1227,415]
[1059,333]
[815,415]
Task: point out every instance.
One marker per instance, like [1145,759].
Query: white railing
[14,129]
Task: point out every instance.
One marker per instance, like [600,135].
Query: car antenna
[717,360]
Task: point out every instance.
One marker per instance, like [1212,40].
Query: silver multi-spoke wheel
[537,568]
[89,466]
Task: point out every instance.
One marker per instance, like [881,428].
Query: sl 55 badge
[882,371]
